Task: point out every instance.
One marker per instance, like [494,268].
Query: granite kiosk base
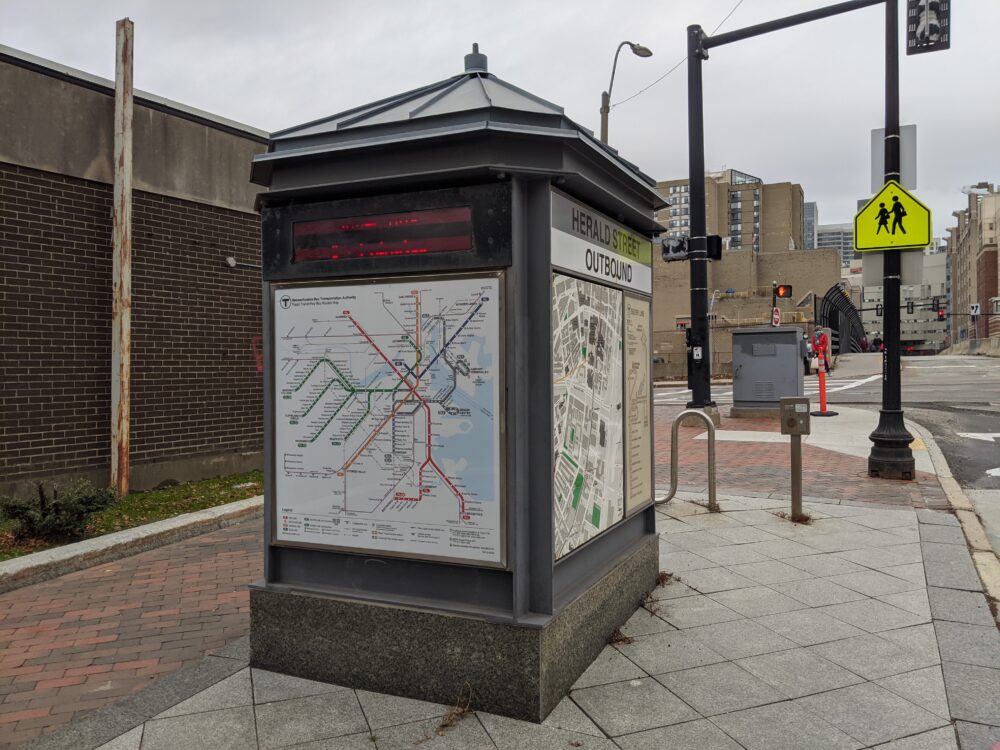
[521,671]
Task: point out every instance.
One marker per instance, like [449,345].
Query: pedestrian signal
[783,290]
[673,249]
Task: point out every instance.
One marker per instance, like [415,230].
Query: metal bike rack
[713,504]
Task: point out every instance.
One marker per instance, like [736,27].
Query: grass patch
[138,508]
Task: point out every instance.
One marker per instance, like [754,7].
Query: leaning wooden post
[121,248]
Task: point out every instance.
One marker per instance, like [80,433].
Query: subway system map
[387,401]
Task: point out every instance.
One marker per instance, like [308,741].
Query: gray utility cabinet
[767,366]
[457,291]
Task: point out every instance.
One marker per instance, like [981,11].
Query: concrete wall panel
[59,126]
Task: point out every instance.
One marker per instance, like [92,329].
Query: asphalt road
[955,398]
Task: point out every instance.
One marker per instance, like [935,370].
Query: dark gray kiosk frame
[517,635]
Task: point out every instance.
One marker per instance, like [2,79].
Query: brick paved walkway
[85,639]
[743,467]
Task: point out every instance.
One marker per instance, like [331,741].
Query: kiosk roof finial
[474,61]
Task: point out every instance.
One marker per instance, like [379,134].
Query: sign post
[891,457]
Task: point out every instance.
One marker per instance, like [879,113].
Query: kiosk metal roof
[472,102]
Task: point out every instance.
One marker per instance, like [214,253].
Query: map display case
[387,417]
[456,313]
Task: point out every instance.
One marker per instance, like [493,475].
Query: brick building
[972,250]
[196,389]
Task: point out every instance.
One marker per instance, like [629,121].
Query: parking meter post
[796,477]
[794,412]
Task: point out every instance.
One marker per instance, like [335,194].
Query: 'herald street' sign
[590,244]
[893,220]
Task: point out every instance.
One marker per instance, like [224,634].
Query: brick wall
[196,390]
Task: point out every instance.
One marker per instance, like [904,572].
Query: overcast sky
[796,105]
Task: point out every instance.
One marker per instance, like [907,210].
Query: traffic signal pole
[891,457]
[699,348]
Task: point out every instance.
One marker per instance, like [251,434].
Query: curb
[50,563]
[983,555]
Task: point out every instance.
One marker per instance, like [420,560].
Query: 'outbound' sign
[590,244]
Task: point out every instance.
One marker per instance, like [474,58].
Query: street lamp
[639,51]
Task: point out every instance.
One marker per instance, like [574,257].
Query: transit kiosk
[458,403]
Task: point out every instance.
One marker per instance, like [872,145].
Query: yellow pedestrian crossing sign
[893,220]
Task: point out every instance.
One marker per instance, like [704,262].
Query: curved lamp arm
[637,50]
[614,67]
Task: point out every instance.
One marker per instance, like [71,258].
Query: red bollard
[823,411]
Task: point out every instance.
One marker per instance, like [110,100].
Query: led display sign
[439,230]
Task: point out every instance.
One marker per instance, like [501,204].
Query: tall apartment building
[748,213]
[839,236]
[810,222]
[972,250]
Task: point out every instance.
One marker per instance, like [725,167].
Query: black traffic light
[783,291]
[879,309]
[714,247]
[674,248]
[936,305]
[909,307]
[941,315]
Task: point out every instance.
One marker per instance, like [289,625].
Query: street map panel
[387,400]
[587,417]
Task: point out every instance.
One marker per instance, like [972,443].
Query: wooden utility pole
[121,248]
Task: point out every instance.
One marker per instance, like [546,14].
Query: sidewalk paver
[82,641]
[747,468]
